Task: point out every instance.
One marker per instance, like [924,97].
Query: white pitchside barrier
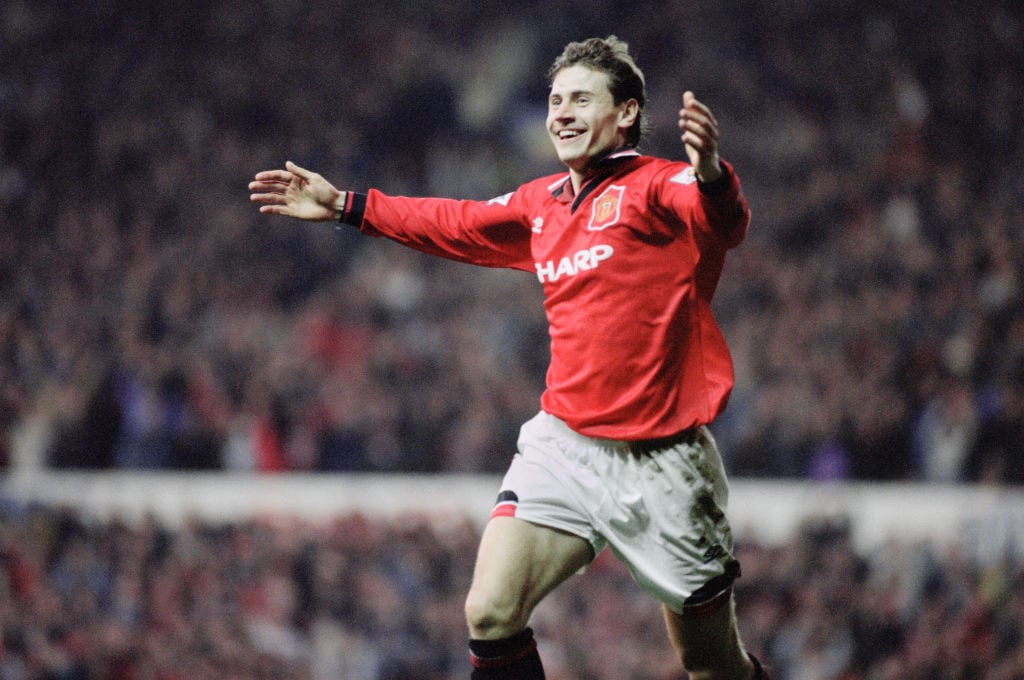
[988,521]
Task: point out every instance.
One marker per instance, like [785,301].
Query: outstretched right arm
[487,233]
[296,192]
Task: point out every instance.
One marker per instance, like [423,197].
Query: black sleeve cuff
[719,185]
[355,207]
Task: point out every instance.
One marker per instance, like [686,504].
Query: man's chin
[574,161]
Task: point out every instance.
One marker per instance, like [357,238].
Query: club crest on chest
[607,208]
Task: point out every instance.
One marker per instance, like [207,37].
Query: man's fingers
[301,172]
[698,125]
[261,186]
[259,195]
[696,115]
[275,210]
[273,176]
[268,199]
[705,129]
[697,142]
[696,109]
[285,176]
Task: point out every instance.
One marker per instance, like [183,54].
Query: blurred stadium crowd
[360,599]
[150,318]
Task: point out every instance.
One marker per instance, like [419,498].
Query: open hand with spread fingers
[296,192]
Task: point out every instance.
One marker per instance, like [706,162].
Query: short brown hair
[625,79]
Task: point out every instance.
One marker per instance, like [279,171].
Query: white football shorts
[661,509]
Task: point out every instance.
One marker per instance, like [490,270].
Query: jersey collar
[562,189]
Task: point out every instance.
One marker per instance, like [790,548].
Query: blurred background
[153,323]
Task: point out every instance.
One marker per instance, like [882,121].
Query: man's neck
[579,176]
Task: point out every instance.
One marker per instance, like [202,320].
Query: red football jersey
[628,266]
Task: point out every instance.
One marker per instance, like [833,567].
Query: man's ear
[629,113]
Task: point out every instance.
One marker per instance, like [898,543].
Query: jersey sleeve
[486,233]
[717,210]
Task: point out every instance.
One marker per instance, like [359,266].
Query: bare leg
[518,563]
[709,644]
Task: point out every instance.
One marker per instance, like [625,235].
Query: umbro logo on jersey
[584,260]
[538,224]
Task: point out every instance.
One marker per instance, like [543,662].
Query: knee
[491,618]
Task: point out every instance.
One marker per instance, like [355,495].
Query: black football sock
[511,658]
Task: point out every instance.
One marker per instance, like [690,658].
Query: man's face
[583,120]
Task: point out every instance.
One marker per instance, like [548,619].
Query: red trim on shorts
[504,510]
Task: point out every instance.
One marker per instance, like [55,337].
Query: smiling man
[629,250]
